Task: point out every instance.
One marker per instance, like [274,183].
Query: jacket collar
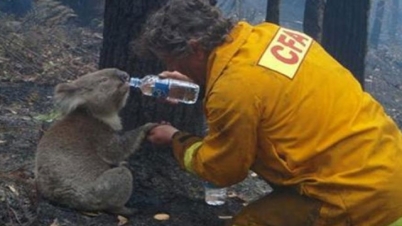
[220,56]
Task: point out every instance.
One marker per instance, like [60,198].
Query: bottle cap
[135,82]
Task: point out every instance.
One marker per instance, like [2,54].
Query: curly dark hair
[169,30]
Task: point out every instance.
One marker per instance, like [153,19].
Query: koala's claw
[148,126]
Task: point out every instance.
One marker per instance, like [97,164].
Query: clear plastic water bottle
[170,89]
[214,195]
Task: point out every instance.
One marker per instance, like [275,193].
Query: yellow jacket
[278,104]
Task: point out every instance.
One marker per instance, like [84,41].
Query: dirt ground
[33,61]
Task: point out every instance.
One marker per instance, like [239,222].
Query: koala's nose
[123,76]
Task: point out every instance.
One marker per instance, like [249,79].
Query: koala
[80,158]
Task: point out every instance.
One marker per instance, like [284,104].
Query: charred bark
[272,14]
[313,18]
[345,33]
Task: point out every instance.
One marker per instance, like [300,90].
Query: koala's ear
[66,98]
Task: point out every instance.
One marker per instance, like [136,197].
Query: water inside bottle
[183,92]
[147,89]
[170,89]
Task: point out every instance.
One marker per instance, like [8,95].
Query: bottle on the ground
[170,89]
[214,195]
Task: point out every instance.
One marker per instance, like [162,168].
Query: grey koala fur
[80,159]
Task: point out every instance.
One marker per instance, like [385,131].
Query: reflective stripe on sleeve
[397,222]
[188,156]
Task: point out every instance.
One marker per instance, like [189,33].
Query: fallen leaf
[2,59]
[161,217]
[232,194]
[26,118]
[225,217]
[50,117]
[12,188]
[12,111]
[122,220]
[90,214]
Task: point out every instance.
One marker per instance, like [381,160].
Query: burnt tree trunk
[377,24]
[272,14]
[313,18]
[345,33]
[123,23]
[159,184]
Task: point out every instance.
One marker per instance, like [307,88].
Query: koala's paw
[148,126]
[140,133]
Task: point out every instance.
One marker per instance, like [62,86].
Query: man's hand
[173,75]
[162,134]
